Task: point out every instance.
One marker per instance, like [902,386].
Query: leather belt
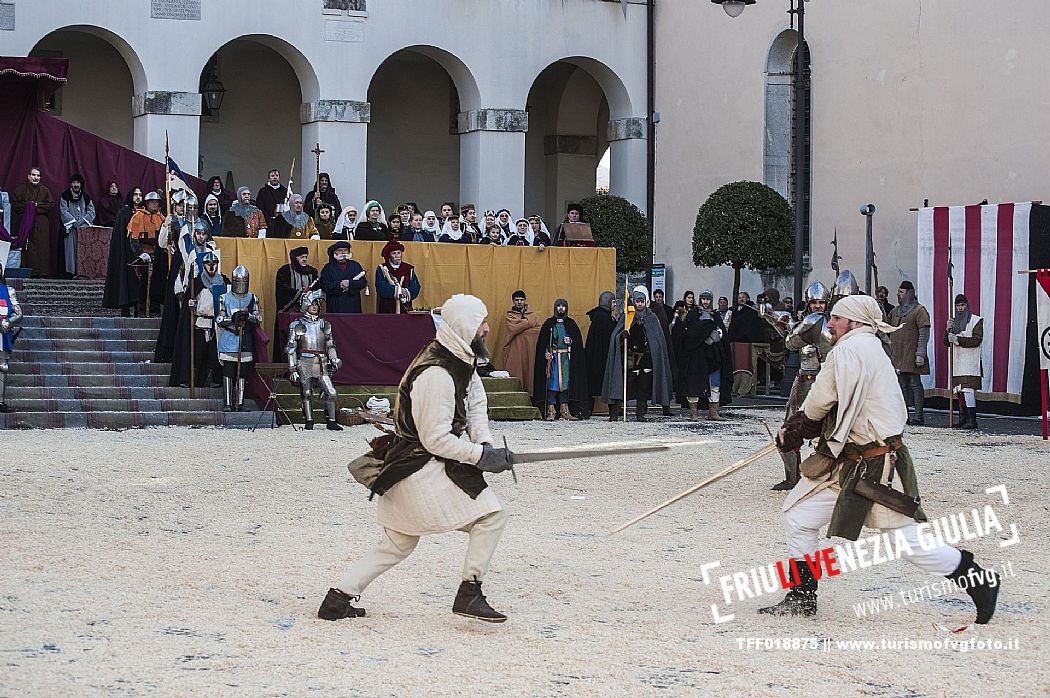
[807,377]
[892,444]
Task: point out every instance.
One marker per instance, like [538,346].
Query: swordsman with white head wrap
[312,357]
[432,479]
[862,474]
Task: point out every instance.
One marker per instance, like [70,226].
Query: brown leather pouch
[888,497]
[366,468]
[817,465]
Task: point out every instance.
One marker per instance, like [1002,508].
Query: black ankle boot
[641,407]
[336,605]
[801,599]
[977,584]
[333,425]
[471,603]
[615,413]
[308,425]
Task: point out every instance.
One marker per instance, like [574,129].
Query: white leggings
[803,521]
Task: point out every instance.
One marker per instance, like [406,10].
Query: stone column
[627,156]
[176,113]
[492,158]
[570,162]
[341,128]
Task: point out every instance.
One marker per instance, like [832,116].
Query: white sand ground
[191,562]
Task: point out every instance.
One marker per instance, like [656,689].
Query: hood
[461,316]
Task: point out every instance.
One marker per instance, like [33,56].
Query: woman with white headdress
[520,236]
[345,224]
[373,227]
[503,220]
[451,231]
[431,225]
[541,237]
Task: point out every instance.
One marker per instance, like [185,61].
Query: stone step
[76,357]
[66,321]
[111,405]
[94,380]
[26,366]
[89,333]
[513,414]
[37,344]
[108,392]
[131,420]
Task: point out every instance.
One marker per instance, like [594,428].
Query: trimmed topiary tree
[616,222]
[744,224]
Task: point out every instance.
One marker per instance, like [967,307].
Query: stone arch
[779,149]
[425,142]
[101,106]
[567,138]
[258,126]
[462,77]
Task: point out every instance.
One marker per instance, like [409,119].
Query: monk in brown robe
[519,351]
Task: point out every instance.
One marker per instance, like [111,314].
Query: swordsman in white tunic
[432,477]
[857,409]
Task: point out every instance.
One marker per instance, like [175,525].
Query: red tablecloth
[93,251]
[375,349]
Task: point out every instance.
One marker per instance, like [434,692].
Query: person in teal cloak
[560,374]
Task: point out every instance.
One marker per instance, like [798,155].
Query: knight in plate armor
[312,357]
[811,339]
[236,319]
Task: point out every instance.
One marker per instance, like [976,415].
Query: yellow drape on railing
[492,273]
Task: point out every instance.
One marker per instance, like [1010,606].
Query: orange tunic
[144,227]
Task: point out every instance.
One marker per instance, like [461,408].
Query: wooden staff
[193,331]
[317,172]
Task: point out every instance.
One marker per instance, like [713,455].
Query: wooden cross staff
[317,169]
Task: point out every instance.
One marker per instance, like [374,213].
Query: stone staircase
[78,297]
[507,400]
[88,370]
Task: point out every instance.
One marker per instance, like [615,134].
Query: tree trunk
[736,285]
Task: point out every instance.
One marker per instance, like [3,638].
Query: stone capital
[511,120]
[627,129]
[341,110]
[166,103]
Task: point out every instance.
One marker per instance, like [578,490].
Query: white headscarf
[864,309]
[453,235]
[461,316]
[434,229]
[344,222]
[641,290]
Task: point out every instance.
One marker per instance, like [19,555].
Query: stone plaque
[7,16]
[175,9]
[346,31]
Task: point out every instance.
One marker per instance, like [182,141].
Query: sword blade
[568,454]
[740,464]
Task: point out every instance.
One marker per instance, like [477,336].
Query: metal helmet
[239,281]
[816,291]
[845,285]
[209,257]
[151,196]
[706,293]
[309,298]
[191,200]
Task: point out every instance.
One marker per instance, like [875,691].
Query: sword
[740,464]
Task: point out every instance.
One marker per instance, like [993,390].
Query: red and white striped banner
[988,245]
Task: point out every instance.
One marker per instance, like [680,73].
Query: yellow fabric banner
[490,272]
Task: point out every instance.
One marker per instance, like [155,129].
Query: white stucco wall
[926,99]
